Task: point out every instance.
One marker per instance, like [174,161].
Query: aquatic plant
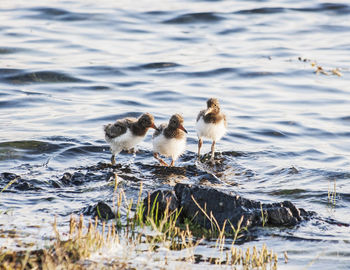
[117,244]
[9,184]
[332,194]
[320,70]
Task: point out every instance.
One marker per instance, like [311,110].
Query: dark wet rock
[55,184]
[160,170]
[160,199]
[78,178]
[226,207]
[8,176]
[127,177]
[209,178]
[233,154]
[11,181]
[66,179]
[101,210]
[164,170]
[229,207]
[24,186]
[102,166]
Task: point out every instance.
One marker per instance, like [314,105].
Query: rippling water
[68,67]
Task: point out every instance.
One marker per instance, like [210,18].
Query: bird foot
[161,161]
[131,151]
[113,160]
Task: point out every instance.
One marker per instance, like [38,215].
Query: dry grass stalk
[153,231]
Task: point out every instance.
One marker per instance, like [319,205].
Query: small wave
[62,139]
[21,102]
[159,65]
[334,28]
[320,133]
[340,9]
[130,84]
[264,10]
[8,71]
[255,74]
[288,192]
[232,31]
[33,147]
[73,151]
[345,118]
[155,65]
[288,123]
[7,50]
[92,88]
[273,133]
[59,14]
[40,77]
[26,150]
[163,95]
[311,152]
[129,102]
[195,18]
[245,137]
[336,175]
[156,13]
[101,70]
[209,73]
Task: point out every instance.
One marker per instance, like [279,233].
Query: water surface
[69,67]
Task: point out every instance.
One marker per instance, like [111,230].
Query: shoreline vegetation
[139,239]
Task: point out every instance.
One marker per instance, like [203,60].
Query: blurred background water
[69,67]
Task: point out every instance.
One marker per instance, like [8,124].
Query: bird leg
[113,159]
[131,151]
[200,143]
[172,163]
[212,150]
[159,159]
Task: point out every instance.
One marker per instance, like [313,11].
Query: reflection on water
[70,67]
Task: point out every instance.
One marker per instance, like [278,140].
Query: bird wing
[201,114]
[116,129]
[159,130]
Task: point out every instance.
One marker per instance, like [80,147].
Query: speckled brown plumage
[172,130]
[214,116]
[125,133]
[138,126]
[170,139]
[210,123]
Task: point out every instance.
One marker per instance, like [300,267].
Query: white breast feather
[123,142]
[210,130]
[169,147]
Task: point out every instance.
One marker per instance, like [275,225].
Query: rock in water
[101,210]
[223,206]
[193,200]
[159,201]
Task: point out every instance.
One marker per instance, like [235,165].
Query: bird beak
[209,110]
[154,126]
[182,128]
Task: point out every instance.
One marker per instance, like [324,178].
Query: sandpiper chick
[210,124]
[170,140]
[126,133]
